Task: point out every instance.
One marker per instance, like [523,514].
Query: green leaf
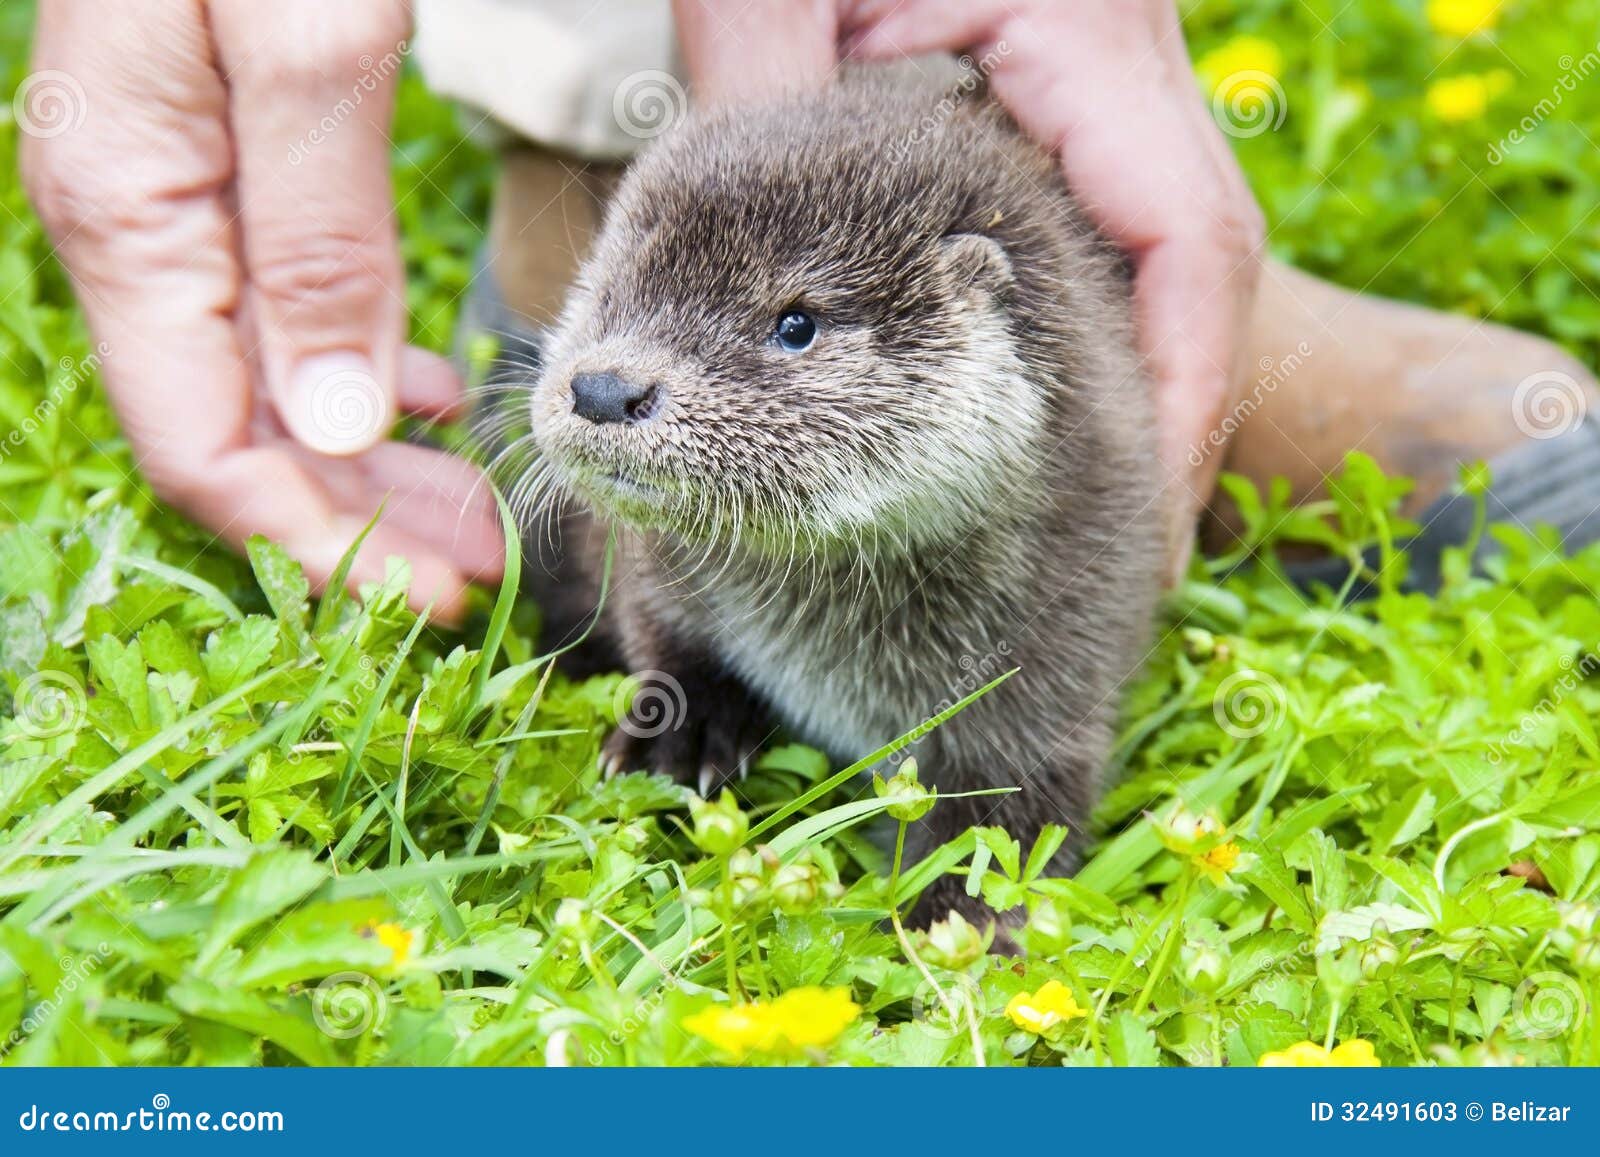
[237,651]
[1131,1042]
[270,882]
[284,583]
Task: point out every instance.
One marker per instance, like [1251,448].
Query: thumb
[311,89]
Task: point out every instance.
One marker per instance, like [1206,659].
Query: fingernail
[335,404]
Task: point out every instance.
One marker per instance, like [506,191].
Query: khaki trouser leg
[547,210]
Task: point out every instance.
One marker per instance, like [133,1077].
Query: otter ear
[976,260]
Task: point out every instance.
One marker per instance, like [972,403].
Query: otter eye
[795,331]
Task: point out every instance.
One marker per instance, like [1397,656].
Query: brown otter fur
[957,474]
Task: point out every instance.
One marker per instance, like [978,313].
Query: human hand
[1106,86]
[225,214]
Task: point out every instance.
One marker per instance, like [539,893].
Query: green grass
[236,829]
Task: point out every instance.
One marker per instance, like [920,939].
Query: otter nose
[603,398]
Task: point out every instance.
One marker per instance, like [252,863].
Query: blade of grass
[189,582]
[505,602]
[491,796]
[48,904]
[501,683]
[840,778]
[369,715]
[333,596]
[94,787]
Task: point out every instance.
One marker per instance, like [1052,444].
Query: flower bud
[1189,833]
[748,878]
[796,887]
[573,918]
[720,827]
[1379,959]
[1198,643]
[1205,968]
[953,943]
[633,837]
[918,800]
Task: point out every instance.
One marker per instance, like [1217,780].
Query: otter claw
[708,776]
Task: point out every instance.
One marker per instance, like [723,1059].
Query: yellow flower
[394,937]
[1242,54]
[803,1018]
[1463,18]
[1044,1011]
[738,1030]
[812,1017]
[1353,1054]
[1215,863]
[1464,98]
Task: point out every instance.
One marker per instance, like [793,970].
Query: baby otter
[854,381]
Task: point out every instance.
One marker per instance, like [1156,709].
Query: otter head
[786,337]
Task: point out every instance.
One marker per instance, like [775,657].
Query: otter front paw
[702,730]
